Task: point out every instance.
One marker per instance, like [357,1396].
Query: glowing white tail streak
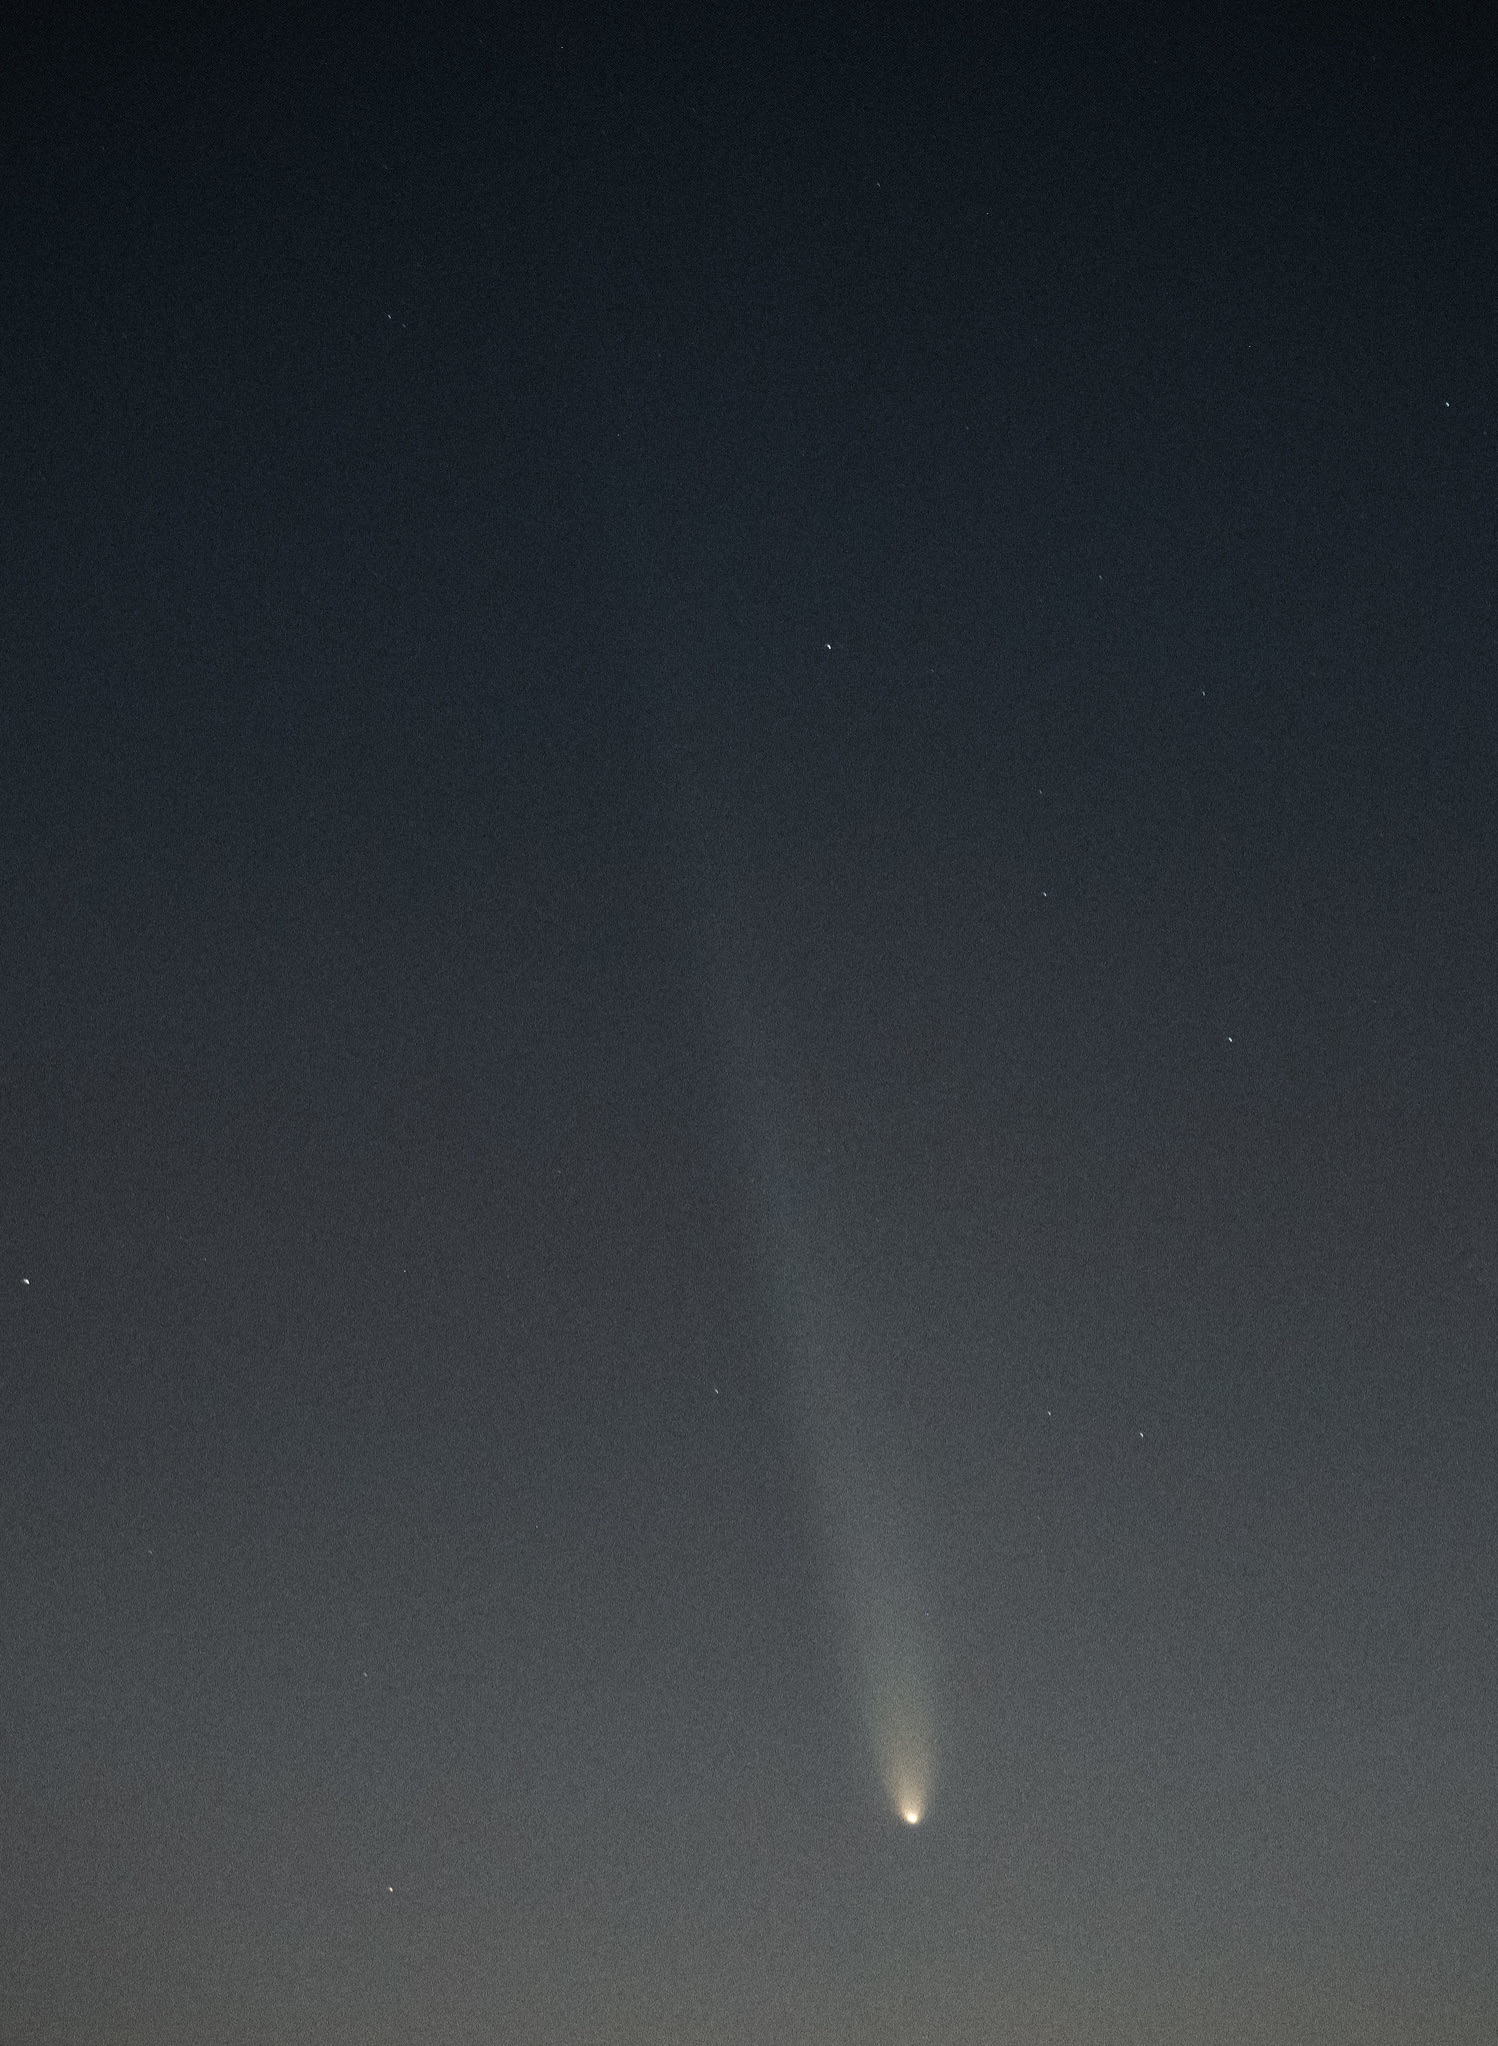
[886,1651]
[888,1655]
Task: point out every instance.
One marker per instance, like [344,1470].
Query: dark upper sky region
[748,1011]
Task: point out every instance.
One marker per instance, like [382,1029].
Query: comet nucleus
[907,1781]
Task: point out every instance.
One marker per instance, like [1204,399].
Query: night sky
[749,857]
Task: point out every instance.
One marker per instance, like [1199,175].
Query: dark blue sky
[537,553]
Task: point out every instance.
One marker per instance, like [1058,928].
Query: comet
[866,1551]
[820,1322]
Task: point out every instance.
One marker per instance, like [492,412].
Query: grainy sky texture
[539,554]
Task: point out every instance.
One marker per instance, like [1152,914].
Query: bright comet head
[907,1783]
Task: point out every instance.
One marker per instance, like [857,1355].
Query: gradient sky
[540,556]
